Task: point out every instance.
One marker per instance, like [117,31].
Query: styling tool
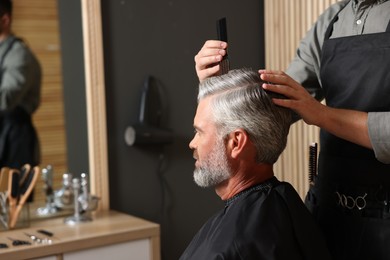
[38,240]
[18,242]
[24,173]
[13,191]
[4,210]
[34,238]
[45,232]
[222,36]
[49,236]
[312,163]
[4,173]
[25,191]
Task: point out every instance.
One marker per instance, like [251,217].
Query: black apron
[352,187]
[19,142]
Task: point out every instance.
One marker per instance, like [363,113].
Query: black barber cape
[268,221]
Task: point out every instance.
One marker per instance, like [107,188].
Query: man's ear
[237,140]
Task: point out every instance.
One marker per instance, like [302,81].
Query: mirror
[42,35]
[40,31]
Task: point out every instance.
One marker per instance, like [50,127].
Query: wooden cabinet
[111,235]
[138,249]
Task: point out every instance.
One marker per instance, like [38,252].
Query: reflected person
[239,135]
[20,87]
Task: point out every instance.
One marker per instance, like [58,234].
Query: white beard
[215,169]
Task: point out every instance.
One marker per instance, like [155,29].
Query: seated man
[239,135]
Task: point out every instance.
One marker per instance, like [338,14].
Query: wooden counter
[109,232]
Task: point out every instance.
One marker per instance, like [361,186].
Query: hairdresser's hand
[208,58]
[298,100]
[350,125]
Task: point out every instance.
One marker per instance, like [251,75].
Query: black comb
[312,163]
[222,36]
[222,29]
[15,184]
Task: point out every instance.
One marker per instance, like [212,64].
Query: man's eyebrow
[197,128]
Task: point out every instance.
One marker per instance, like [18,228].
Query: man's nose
[192,144]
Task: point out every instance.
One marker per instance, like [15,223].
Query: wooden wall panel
[36,21]
[286,22]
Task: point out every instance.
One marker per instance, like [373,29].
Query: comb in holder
[25,190]
[312,163]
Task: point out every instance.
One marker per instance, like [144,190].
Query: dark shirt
[268,221]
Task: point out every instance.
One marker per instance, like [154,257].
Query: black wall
[161,38]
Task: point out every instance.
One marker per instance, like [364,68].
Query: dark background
[157,38]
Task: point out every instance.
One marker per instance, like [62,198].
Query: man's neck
[244,179]
[4,36]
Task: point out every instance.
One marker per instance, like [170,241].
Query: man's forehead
[203,113]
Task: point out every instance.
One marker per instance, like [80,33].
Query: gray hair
[239,101]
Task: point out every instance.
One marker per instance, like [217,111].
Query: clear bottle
[50,207]
[64,197]
[84,195]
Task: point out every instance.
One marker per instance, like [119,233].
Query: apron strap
[329,30]
[388,27]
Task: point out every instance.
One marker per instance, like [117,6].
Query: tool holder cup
[8,219]
[16,186]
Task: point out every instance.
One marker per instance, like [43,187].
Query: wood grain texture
[36,21]
[286,22]
[107,228]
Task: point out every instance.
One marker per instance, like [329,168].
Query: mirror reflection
[37,23]
[20,79]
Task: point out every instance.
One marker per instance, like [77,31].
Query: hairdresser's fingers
[206,60]
[278,77]
[207,66]
[310,110]
[288,103]
[286,90]
[210,51]
[265,71]
[215,44]
[271,75]
[203,61]
[299,100]
[212,48]
[208,72]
